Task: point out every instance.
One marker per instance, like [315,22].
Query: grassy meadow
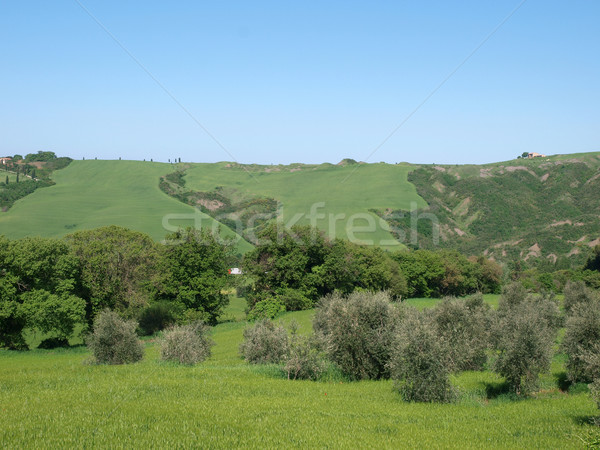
[91,194]
[52,398]
[344,191]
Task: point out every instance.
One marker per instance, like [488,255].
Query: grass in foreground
[54,399]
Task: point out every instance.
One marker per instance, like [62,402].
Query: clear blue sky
[281,82]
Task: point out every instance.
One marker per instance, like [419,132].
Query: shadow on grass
[562,381]
[587,420]
[500,390]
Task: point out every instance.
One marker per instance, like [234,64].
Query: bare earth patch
[211,205]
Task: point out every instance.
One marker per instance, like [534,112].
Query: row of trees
[366,336]
[292,269]
[52,285]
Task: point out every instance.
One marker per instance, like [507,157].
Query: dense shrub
[305,360]
[196,265]
[577,292]
[581,334]
[463,325]
[300,265]
[264,343]
[419,361]
[156,317]
[525,336]
[114,341]
[269,308]
[294,300]
[356,332]
[513,294]
[186,344]
[591,358]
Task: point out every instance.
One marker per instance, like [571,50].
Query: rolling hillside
[545,211]
[90,194]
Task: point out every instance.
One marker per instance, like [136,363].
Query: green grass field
[54,399]
[343,191]
[90,194]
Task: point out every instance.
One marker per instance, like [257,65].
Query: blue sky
[282,82]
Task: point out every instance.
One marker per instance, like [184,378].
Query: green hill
[543,210]
[90,194]
[334,198]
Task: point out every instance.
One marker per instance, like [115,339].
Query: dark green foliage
[285,260]
[177,178]
[439,273]
[419,361]
[119,268]
[293,300]
[526,331]
[157,317]
[51,313]
[594,262]
[264,343]
[12,192]
[186,344]
[267,308]
[196,267]
[581,335]
[114,341]
[464,326]
[300,266]
[38,289]
[356,332]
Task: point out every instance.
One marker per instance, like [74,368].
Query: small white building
[235,271]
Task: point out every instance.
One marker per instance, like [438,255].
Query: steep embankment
[544,210]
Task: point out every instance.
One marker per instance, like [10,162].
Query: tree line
[52,285]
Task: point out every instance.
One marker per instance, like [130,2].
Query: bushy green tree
[420,361]
[264,343]
[576,292]
[304,360]
[284,259]
[464,326]
[38,289]
[303,262]
[186,344]
[447,273]
[581,335]
[119,268]
[51,313]
[196,266]
[113,340]
[513,294]
[525,335]
[357,332]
